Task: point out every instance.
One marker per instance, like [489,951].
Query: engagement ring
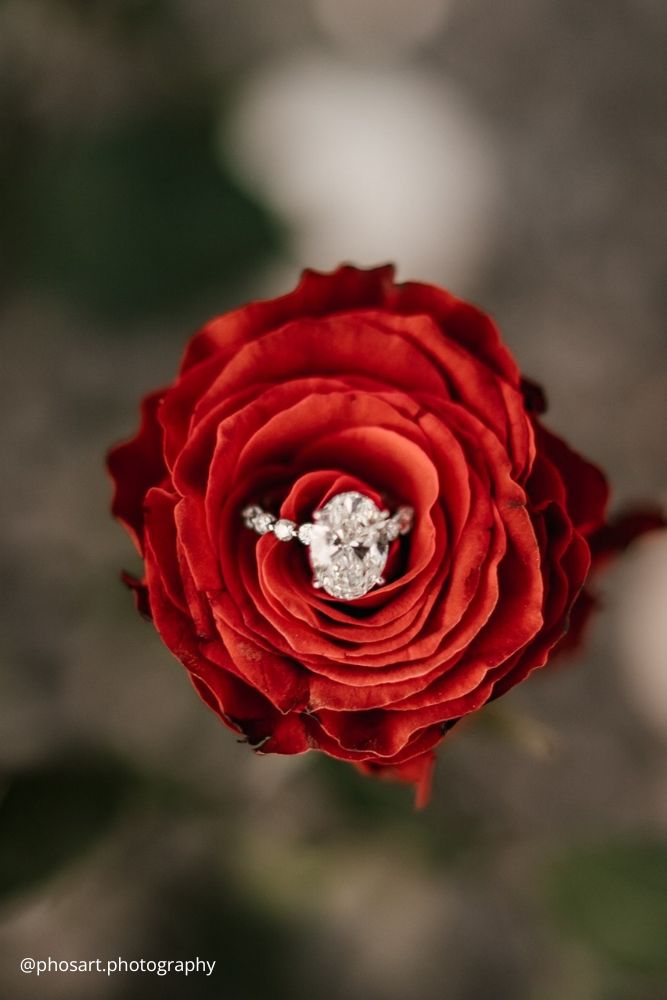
[348,541]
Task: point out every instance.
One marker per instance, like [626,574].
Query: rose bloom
[405,394]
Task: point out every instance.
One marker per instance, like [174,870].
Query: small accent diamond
[249,514]
[391,530]
[284,530]
[404,516]
[263,523]
[305,533]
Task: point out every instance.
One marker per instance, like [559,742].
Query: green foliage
[52,814]
[373,808]
[364,804]
[139,219]
[613,899]
[194,915]
[125,15]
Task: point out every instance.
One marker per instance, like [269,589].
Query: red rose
[407,395]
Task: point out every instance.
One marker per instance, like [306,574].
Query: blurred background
[163,161]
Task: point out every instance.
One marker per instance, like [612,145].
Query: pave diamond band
[348,541]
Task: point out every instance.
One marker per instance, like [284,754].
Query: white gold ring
[348,541]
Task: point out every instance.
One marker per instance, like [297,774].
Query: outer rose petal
[407,394]
[135,466]
[586,488]
[606,543]
[612,538]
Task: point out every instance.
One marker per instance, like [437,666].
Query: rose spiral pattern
[403,393]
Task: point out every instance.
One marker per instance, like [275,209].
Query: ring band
[348,540]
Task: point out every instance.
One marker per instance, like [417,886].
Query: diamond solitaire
[348,540]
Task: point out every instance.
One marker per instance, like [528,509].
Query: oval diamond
[348,546]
